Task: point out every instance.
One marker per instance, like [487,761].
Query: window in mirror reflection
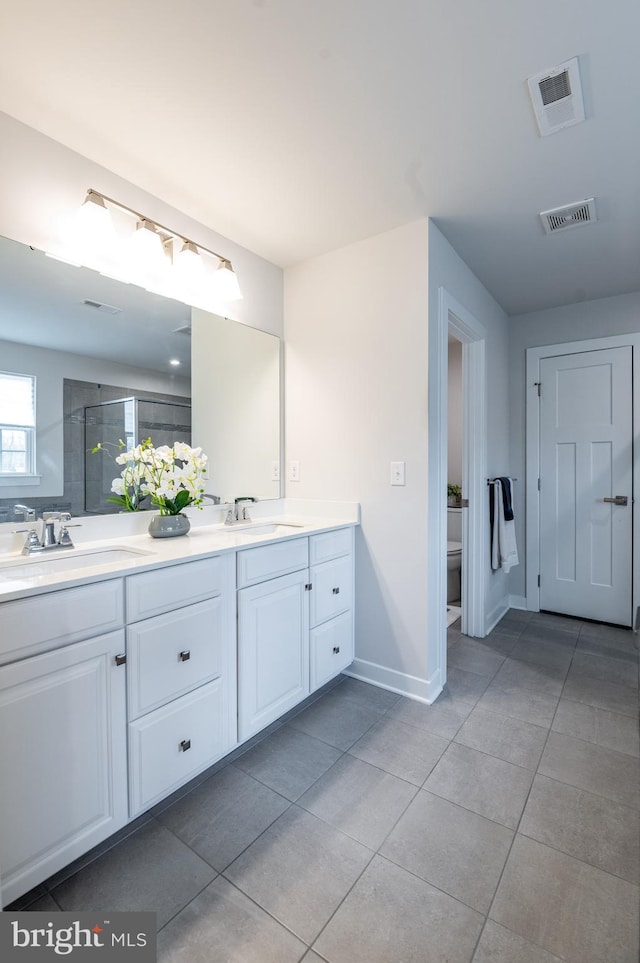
[17,424]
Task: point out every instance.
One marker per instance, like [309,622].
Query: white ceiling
[297,126]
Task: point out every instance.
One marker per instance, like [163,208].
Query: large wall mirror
[111,361]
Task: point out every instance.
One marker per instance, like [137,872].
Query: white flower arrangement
[172,477]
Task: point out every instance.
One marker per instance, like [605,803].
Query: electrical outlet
[294,471]
[275,471]
[397,473]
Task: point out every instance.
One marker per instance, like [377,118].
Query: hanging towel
[504,552]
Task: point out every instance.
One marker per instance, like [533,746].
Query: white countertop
[208,536]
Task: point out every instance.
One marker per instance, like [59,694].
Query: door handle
[617,500]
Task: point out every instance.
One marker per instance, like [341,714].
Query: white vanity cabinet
[295,623]
[181,674]
[63,767]
[273,633]
[331,575]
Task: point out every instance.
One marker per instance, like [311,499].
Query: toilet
[454,553]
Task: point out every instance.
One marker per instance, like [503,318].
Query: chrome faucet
[48,541]
[239,512]
[29,514]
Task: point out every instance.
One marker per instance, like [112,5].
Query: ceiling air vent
[99,306]
[572,215]
[557,97]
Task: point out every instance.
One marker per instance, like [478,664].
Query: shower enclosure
[131,420]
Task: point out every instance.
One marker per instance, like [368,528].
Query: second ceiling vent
[557,97]
[571,215]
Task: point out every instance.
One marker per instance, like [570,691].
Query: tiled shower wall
[77,396]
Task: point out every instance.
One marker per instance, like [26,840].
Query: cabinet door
[331,649]
[332,591]
[63,763]
[273,651]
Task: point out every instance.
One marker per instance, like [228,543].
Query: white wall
[454,413]
[356,399]
[571,322]
[43,182]
[448,270]
[50,369]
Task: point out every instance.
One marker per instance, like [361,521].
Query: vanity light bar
[166,234]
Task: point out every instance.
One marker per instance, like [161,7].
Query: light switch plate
[294,471]
[397,473]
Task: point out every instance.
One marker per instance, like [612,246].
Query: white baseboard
[496,614]
[422,690]
[518,602]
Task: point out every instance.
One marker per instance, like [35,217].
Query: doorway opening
[454,319]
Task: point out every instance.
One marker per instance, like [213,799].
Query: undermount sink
[59,560]
[263,528]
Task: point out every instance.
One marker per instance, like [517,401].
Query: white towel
[504,551]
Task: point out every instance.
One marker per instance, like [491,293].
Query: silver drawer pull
[617,500]
[185,655]
[185,744]
[336,649]
[120,659]
[336,591]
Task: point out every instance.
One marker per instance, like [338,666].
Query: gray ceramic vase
[168,526]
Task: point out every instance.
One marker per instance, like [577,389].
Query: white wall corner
[518,602]
[421,690]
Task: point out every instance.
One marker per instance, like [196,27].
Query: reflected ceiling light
[156,257]
[226,282]
[174,362]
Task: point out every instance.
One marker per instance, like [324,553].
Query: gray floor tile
[498,735]
[605,695]
[72,868]
[599,831]
[391,916]
[151,870]
[474,656]
[517,615]
[370,696]
[404,751]
[224,815]
[623,640]
[551,621]
[360,800]
[538,678]
[609,729]
[300,870]
[443,718]
[22,902]
[464,685]
[312,957]
[501,643]
[573,910]
[484,784]
[587,766]
[613,648]
[605,669]
[222,924]
[499,945]
[542,653]
[340,722]
[562,637]
[517,702]
[288,761]
[35,901]
[454,849]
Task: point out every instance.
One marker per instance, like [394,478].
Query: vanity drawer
[171,654]
[330,545]
[332,589]
[331,649]
[169,746]
[271,561]
[42,622]
[164,589]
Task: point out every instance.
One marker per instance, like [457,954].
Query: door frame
[532,458]
[454,317]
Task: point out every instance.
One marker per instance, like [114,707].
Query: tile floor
[500,825]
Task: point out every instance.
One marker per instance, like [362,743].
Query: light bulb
[149,263]
[91,236]
[225,282]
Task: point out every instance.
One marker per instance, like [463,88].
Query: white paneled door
[586,458]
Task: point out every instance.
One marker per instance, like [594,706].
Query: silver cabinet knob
[185,655]
[184,745]
[617,500]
